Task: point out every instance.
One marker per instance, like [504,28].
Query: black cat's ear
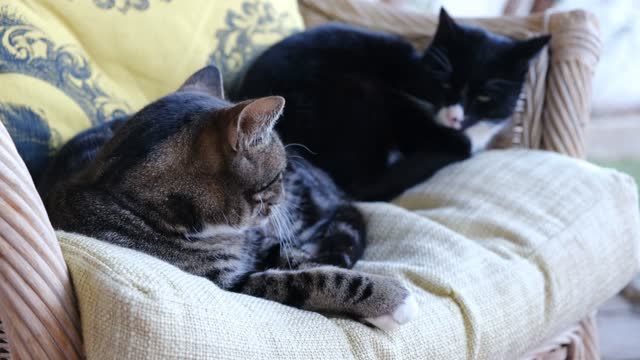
[447,27]
[527,49]
[445,18]
[252,121]
[208,80]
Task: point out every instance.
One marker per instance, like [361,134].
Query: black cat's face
[479,75]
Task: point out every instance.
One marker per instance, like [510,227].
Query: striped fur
[207,186]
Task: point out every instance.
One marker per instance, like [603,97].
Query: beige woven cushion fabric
[502,251]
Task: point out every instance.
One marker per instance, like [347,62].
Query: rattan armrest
[575,49]
[37,304]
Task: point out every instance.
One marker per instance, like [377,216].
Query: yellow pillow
[65,65]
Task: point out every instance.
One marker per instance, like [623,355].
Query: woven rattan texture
[579,342]
[37,301]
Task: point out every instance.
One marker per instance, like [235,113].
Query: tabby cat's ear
[208,80]
[253,121]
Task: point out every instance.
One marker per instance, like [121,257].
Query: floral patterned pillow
[66,65]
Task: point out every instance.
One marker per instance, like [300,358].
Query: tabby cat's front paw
[401,314]
[389,305]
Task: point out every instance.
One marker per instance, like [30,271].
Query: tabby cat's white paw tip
[404,313]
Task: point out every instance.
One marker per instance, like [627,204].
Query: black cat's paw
[458,145]
[340,250]
[341,241]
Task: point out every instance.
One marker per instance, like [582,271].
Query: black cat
[356,97]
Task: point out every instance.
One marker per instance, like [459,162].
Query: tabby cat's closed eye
[278,178]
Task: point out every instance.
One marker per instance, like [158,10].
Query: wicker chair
[37,306]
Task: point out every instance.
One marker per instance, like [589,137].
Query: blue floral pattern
[237,41]
[25,49]
[124,5]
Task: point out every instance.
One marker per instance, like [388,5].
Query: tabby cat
[207,186]
[359,99]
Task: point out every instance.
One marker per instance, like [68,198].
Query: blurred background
[613,135]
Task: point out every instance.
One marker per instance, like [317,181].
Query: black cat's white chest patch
[482,133]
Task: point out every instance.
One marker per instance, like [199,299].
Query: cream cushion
[502,251]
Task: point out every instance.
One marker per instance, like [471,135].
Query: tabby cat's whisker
[282,227]
[285,234]
[299,160]
[261,206]
[295,157]
[302,146]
